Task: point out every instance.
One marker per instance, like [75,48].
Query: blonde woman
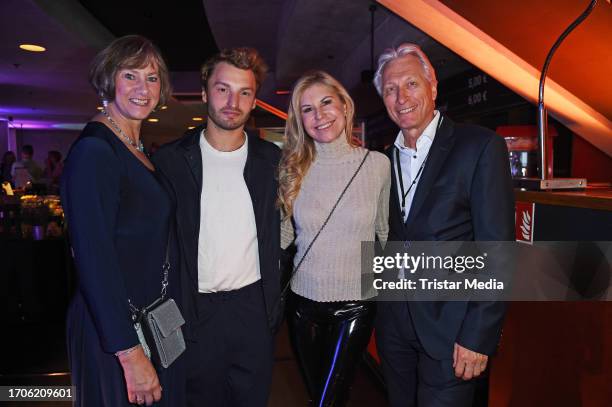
[330,322]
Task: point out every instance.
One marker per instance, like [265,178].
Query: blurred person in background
[53,166]
[26,170]
[6,167]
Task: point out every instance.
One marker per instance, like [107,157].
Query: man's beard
[224,124]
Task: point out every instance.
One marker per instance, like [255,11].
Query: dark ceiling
[509,40]
[583,62]
[50,90]
[180,30]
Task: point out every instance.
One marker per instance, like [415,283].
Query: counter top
[592,198]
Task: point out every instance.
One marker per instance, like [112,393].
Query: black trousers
[412,377]
[329,339]
[231,362]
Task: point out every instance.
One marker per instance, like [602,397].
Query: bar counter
[591,198]
[35,279]
[557,353]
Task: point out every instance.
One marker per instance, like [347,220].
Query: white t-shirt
[228,256]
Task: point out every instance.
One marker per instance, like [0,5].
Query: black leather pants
[329,339]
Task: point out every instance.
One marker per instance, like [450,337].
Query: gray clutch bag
[161,326]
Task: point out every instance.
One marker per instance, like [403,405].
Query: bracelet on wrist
[126,351]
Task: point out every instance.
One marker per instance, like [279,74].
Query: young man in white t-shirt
[225,188]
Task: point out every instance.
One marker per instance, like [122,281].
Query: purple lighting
[30,124]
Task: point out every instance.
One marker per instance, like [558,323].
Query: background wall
[590,162]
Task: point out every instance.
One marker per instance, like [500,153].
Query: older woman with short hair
[119,222]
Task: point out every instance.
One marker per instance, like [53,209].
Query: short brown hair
[242,58]
[128,52]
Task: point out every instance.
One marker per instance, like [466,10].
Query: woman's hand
[140,377]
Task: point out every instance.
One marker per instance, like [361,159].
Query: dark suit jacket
[180,164]
[465,193]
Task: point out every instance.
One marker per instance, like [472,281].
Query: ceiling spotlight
[153,120]
[164,107]
[100,108]
[32,47]
[190,127]
[197,119]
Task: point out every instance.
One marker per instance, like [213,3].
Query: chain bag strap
[314,239]
[158,325]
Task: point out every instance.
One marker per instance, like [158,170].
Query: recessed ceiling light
[153,120]
[99,108]
[190,127]
[164,107]
[197,119]
[32,47]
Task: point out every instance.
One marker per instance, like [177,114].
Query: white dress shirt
[411,160]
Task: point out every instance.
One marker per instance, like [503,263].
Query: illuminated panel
[271,109]
[32,48]
[459,35]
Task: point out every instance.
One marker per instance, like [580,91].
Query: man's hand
[140,378]
[467,363]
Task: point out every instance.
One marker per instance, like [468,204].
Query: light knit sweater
[332,269]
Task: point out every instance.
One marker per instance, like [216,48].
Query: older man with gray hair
[450,182]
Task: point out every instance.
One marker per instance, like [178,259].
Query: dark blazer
[465,193]
[180,164]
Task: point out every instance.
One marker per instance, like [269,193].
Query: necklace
[138,146]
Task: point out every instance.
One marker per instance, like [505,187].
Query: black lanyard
[416,178]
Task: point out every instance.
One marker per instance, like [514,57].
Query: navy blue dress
[118,218]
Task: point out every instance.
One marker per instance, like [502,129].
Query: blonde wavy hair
[299,149]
